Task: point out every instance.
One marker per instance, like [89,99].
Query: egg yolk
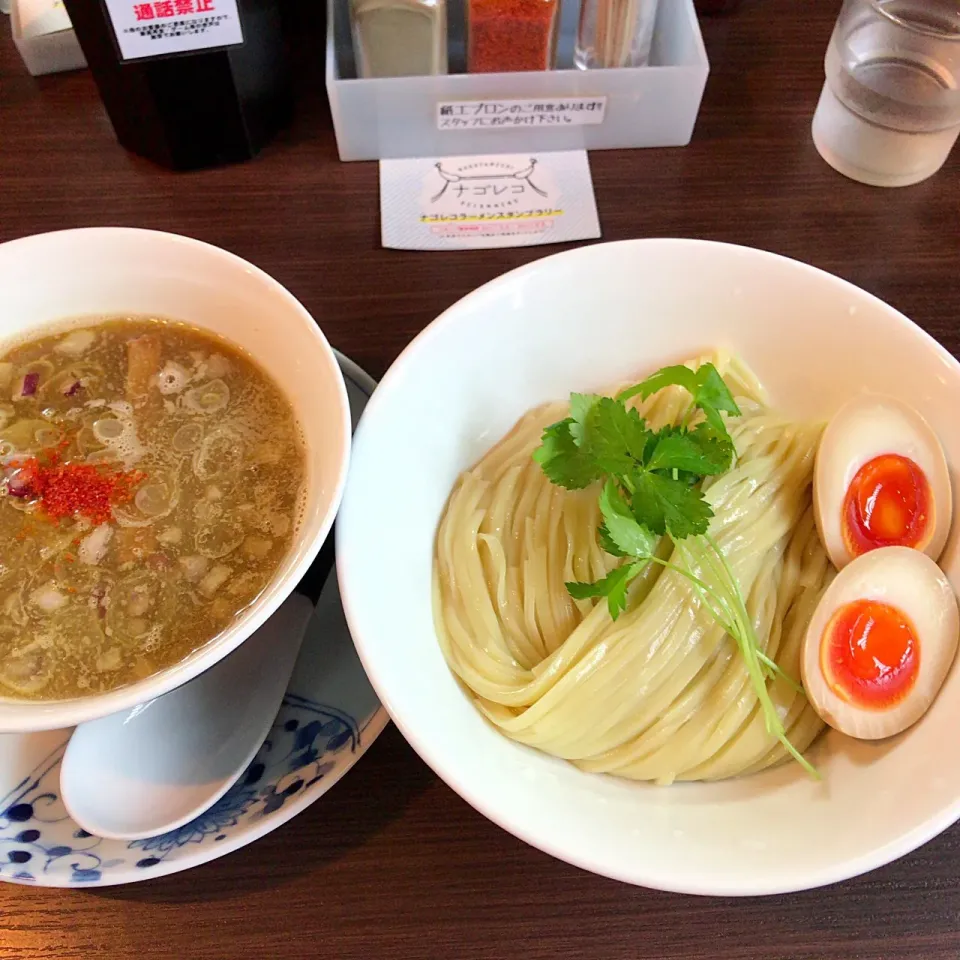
[888,504]
[870,654]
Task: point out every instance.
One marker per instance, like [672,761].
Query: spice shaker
[504,36]
[399,38]
[615,33]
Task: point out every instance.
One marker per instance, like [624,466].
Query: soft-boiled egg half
[880,480]
[880,643]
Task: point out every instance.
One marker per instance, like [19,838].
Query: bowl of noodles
[631,725]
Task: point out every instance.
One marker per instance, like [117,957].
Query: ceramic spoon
[154,768]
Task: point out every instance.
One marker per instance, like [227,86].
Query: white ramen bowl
[91,273]
[578,321]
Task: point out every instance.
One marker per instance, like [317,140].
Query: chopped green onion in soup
[210,450]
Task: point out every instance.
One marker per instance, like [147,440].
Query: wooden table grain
[391,863]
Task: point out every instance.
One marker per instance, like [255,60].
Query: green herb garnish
[650,490]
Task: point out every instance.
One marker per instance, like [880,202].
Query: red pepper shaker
[504,36]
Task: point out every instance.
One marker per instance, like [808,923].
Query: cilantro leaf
[678,375]
[666,505]
[716,446]
[647,508]
[696,452]
[621,527]
[615,437]
[607,542]
[581,406]
[705,386]
[565,463]
[613,586]
[712,395]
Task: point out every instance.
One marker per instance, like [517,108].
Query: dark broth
[206,465]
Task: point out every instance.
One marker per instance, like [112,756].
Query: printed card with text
[457,203]
[161,27]
[520,114]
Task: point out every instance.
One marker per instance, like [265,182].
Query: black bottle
[187,83]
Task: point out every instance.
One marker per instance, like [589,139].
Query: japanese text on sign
[171,8]
[507,200]
[505,114]
[148,29]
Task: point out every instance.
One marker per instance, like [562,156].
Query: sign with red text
[150,28]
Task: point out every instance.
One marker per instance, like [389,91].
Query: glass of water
[889,113]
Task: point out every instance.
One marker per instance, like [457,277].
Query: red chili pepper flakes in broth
[71,489]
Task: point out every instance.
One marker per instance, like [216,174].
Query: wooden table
[391,863]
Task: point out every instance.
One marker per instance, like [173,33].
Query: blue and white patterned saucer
[329,717]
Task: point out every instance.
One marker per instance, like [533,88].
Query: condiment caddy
[530,77]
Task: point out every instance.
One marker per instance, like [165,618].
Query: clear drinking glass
[889,113]
[615,33]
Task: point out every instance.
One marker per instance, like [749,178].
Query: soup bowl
[55,279]
[575,322]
